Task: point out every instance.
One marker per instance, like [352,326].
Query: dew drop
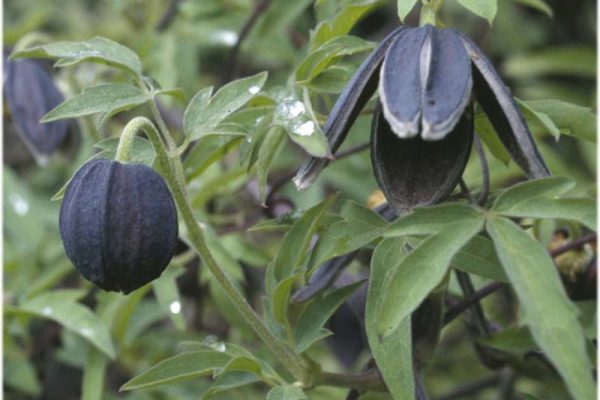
[86,331]
[228,38]
[289,110]
[253,89]
[19,204]
[175,307]
[303,128]
[47,310]
[214,343]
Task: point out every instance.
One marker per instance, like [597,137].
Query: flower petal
[498,104]
[414,172]
[400,82]
[447,89]
[347,108]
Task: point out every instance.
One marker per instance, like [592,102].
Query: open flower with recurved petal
[422,127]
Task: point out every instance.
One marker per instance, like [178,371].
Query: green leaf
[281,297]
[306,132]
[550,187]
[571,119]
[538,120]
[182,367]
[208,150]
[393,354]
[228,381]
[484,8]
[167,294]
[404,8]
[142,150]
[309,328]
[512,340]
[266,155]
[19,374]
[412,278]
[538,287]
[286,393]
[428,220]
[540,5]
[479,257]
[293,249]
[538,199]
[341,23]
[92,386]
[332,80]
[204,113]
[59,306]
[360,226]
[317,61]
[106,98]
[575,61]
[486,132]
[98,50]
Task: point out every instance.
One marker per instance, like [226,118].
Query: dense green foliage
[229,98]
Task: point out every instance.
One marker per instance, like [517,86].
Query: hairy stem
[172,169]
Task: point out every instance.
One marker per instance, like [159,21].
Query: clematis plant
[427,79]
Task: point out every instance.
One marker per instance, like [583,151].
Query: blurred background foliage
[54,322]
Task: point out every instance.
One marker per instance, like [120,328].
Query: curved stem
[170,164]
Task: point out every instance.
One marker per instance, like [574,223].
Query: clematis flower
[422,130]
[30,93]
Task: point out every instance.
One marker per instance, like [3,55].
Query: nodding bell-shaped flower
[422,127]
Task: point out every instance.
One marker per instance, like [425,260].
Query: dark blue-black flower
[427,79]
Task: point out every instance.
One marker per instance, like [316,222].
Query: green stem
[365,381]
[172,169]
[126,139]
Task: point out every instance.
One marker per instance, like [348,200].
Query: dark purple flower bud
[118,224]
[30,93]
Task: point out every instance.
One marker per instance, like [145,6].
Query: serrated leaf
[107,98]
[539,199]
[182,367]
[98,50]
[538,287]
[411,279]
[60,306]
[286,393]
[393,354]
[571,119]
[404,8]
[310,322]
[203,114]
[484,8]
